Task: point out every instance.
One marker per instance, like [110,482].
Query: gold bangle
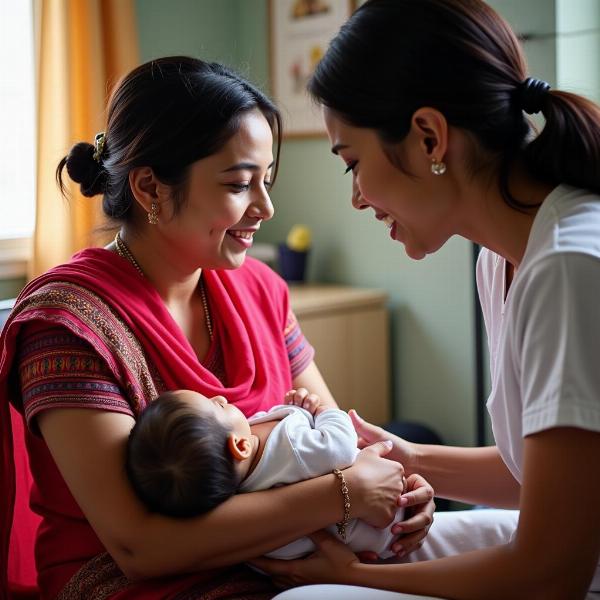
[341,526]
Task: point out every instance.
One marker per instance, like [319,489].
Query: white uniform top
[301,447]
[545,339]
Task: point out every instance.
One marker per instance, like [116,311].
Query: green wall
[203,28]
[430,301]
[578,46]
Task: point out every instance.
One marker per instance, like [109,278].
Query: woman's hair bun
[83,169]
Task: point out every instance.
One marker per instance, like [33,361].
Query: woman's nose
[262,207]
[357,200]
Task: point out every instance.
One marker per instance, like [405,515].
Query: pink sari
[102,299]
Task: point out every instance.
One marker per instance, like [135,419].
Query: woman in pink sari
[184,168]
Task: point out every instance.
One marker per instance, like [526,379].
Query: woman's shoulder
[568,221]
[566,225]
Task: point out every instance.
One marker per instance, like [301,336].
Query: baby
[187,453]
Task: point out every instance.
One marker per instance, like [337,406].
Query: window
[17,144]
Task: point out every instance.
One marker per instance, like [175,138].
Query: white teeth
[389,221]
[247,235]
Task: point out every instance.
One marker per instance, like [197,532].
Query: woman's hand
[375,484]
[418,500]
[402,451]
[332,562]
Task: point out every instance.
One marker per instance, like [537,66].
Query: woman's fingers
[330,562]
[408,543]
[380,448]
[416,495]
[417,522]
[362,443]
[368,432]
[418,518]
[322,539]
[402,451]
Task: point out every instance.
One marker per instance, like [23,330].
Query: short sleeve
[300,352]
[57,369]
[557,343]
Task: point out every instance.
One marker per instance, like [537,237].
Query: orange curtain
[84,47]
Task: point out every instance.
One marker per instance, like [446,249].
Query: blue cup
[292,264]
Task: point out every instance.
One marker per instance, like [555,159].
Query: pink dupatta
[100,297]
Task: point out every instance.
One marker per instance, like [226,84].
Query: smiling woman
[184,168]
[440,143]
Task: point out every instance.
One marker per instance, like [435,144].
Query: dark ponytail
[458,56]
[166,114]
[568,148]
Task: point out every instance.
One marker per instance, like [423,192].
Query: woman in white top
[426,102]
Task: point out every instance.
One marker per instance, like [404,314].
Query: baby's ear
[239,447]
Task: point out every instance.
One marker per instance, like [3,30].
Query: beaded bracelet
[341,526]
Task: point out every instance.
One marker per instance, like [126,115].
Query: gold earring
[438,167]
[153,214]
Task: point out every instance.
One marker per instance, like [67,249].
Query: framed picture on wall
[299,33]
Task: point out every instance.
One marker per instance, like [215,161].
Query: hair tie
[99,141]
[533,91]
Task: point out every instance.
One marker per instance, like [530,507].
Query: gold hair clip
[99,141]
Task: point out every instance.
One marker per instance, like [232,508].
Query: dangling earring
[438,167]
[153,214]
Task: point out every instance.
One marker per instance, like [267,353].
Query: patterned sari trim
[98,579]
[242,584]
[89,317]
[59,370]
[101,579]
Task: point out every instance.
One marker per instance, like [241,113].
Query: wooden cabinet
[349,329]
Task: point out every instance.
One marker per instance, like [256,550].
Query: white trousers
[451,533]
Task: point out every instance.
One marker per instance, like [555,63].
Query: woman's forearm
[249,525]
[472,475]
[494,574]
[145,544]
[244,527]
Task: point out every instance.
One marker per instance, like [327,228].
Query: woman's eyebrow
[245,166]
[339,147]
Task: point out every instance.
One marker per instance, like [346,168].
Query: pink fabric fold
[248,306]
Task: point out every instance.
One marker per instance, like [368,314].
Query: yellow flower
[299,238]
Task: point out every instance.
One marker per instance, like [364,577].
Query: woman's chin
[416,255]
[234,261]
[413,252]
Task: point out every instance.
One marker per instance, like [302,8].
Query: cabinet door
[352,354]
[330,336]
[369,364]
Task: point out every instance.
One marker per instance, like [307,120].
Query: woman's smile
[243,237]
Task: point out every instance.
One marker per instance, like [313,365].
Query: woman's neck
[499,227]
[175,285]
